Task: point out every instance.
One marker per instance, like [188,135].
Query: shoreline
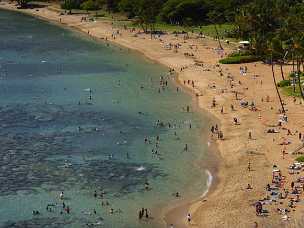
[176,213]
[212,179]
[227,203]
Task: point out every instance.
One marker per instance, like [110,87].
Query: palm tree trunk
[218,37]
[276,86]
[293,63]
[300,85]
[151,32]
[282,72]
[299,76]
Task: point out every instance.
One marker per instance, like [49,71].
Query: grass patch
[208,30]
[291,91]
[300,159]
[288,88]
[284,83]
[240,53]
[120,20]
[240,59]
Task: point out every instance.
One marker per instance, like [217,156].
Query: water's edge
[210,165]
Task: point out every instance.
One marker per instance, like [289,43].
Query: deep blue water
[54,138]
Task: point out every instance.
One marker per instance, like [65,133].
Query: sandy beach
[229,203]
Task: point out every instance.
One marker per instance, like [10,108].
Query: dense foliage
[279,22]
[300,159]
[276,31]
[177,12]
[284,83]
[240,59]
[276,23]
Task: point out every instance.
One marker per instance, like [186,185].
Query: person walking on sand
[232,107]
[283,153]
[212,129]
[213,102]
[250,135]
[255,225]
[189,217]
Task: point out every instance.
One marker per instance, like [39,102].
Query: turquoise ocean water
[54,138]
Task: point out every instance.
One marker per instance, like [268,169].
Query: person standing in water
[90,96]
[67,210]
[146,213]
[186,147]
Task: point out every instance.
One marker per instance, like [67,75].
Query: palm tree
[216,18]
[275,82]
[298,50]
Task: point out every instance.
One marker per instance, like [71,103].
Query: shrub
[100,15]
[240,59]
[283,83]
[89,5]
[300,159]
[240,53]
[294,75]
[70,4]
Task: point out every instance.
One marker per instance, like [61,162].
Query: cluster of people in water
[65,209]
[62,206]
[143,213]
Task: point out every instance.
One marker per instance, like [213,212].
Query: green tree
[274,79]
[147,12]
[216,18]
[89,5]
[184,12]
[128,6]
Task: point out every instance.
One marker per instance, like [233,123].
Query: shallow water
[54,138]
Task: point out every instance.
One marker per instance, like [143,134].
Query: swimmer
[186,147]
[61,196]
[147,185]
